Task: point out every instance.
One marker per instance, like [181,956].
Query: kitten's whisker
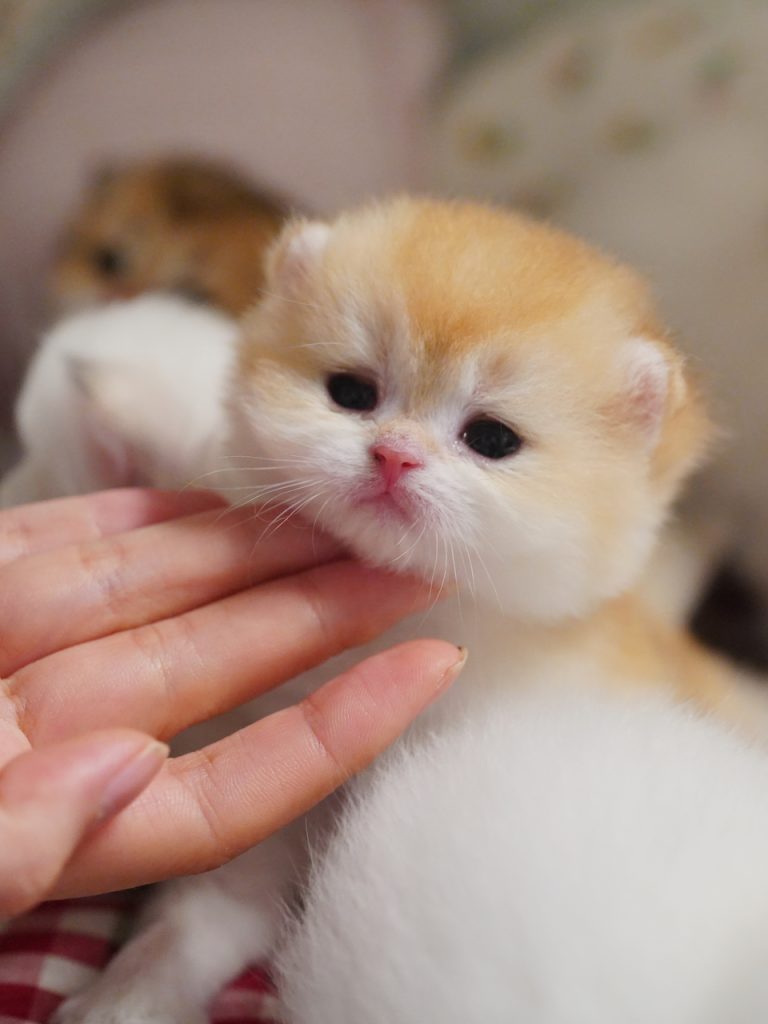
[227,488]
[318,514]
[292,464]
[437,592]
[279,485]
[304,303]
[279,497]
[266,458]
[238,471]
[434,562]
[253,498]
[292,512]
[467,556]
[444,577]
[271,527]
[471,563]
[456,580]
[227,511]
[489,577]
[405,554]
[400,541]
[321,344]
[274,492]
[287,514]
[278,502]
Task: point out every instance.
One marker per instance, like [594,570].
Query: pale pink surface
[321,98]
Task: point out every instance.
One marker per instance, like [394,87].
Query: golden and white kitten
[464,394]
[180,225]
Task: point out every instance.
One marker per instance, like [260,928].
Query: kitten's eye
[351,392]
[109,262]
[491,439]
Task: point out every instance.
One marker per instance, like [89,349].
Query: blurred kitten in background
[178,225]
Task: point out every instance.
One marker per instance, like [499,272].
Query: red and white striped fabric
[49,953]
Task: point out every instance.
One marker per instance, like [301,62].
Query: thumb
[51,798]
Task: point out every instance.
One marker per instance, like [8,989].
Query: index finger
[46,525]
[207,807]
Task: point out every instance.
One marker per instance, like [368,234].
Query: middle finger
[84,591]
[167,676]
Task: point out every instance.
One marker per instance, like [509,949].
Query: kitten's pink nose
[393,460]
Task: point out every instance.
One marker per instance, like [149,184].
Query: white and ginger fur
[454,312]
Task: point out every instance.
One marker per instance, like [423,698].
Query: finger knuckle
[164,647]
[314,722]
[330,629]
[16,536]
[103,565]
[199,779]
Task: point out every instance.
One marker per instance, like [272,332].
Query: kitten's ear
[296,253]
[651,377]
[662,404]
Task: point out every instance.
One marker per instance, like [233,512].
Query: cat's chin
[382,533]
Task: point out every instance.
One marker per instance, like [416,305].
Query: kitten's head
[463,393]
[181,226]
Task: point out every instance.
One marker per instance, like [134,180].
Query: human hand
[130,615]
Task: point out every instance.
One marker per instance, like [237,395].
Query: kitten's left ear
[296,253]
[663,406]
[652,375]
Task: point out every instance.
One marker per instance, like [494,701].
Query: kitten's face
[459,393]
[175,226]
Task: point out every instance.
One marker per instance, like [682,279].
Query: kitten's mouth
[389,504]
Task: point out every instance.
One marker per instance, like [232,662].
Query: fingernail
[131,779]
[453,671]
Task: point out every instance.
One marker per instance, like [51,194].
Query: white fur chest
[503,655]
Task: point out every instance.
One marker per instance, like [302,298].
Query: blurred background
[641,124]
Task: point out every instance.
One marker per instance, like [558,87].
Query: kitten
[178,225]
[460,393]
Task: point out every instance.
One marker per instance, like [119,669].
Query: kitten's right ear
[296,253]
